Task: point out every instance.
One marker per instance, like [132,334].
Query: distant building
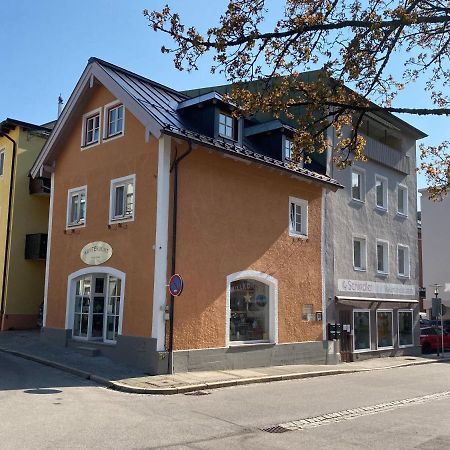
[436,249]
[24,207]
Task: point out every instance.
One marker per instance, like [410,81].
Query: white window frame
[363,256]
[406,262]
[227,126]
[404,189]
[287,144]
[362,174]
[86,117]
[106,110]
[70,194]
[385,184]
[392,327]
[114,184]
[303,204]
[363,350]
[273,306]
[2,162]
[385,256]
[412,327]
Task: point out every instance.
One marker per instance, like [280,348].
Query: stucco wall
[233,216]
[132,243]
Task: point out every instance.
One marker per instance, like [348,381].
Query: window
[403,260]
[114,117]
[226,126]
[91,128]
[298,217]
[359,253]
[308,312]
[384,328]
[358,185]
[288,148]
[361,329]
[402,200]
[249,311]
[2,162]
[76,207]
[381,189]
[405,328]
[122,199]
[382,257]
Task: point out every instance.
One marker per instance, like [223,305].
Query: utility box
[36,247]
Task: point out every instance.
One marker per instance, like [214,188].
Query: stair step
[89,351]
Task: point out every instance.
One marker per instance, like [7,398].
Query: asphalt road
[41,407]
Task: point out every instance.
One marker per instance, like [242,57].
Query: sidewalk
[26,344]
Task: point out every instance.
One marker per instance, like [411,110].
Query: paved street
[41,407]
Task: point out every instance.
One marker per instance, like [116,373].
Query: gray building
[371,246]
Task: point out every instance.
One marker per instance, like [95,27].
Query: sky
[47,43]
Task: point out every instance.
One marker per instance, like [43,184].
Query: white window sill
[364,350]
[75,227]
[382,274]
[357,201]
[391,347]
[403,277]
[402,215]
[359,269]
[121,220]
[249,343]
[112,137]
[298,235]
[92,144]
[381,209]
[406,346]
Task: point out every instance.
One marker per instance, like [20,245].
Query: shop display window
[249,311]
[384,328]
[361,328]
[405,328]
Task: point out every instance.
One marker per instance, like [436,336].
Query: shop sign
[96,253]
[373,287]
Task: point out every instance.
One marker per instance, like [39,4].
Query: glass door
[81,322]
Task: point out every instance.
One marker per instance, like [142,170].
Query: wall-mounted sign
[373,287]
[176,285]
[96,253]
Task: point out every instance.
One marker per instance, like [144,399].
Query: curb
[122,387]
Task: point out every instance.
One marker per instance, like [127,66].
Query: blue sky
[47,43]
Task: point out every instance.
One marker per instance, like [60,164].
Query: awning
[341,298]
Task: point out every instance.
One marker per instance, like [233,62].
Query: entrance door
[97,307]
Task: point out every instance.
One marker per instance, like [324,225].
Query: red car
[430,339]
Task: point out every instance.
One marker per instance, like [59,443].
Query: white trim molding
[405,195]
[273,303]
[303,205]
[106,109]
[161,242]
[49,247]
[84,145]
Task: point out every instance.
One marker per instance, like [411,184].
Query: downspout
[8,227]
[174,168]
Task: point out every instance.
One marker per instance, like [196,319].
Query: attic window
[114,119]
[91,128]
[227,126]
[288,149]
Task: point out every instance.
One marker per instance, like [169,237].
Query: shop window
[308,312]
[405,328]
[298,217]
[76,207]
[403,260]
[361,330]
[358,192]
[381,191]
[249,311]
[382,257]
[359,253]
[384,329]
[402,200]
[122,199]
[97,307]
[91,128]
[114,117]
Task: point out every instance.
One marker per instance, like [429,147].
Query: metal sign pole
[442,332]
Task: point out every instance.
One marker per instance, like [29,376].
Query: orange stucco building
[147,182]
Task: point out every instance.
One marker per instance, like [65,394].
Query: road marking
[355,413]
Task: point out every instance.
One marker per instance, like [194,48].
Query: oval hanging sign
[96,253]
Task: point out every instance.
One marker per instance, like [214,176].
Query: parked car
[430,339]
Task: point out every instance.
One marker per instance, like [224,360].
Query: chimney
[60,104]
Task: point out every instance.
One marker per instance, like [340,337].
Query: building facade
[148,182]
[23,225]
[435,249]
[372,247]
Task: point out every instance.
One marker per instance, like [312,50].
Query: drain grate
[198,393]
[275,429]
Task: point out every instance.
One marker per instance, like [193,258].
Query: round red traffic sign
[176,285]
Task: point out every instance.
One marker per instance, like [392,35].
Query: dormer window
[227,126]
[288,149]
